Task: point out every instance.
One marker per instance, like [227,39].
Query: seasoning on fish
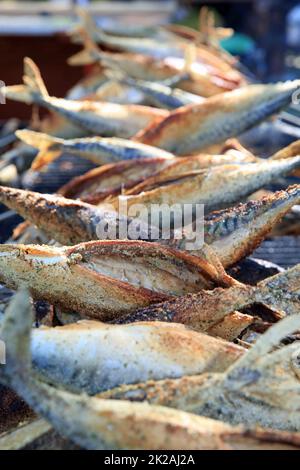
[232,233]
[65,220]
[105,279]
[206,309]
[262,388]
[236,232]
[98,118]
[90,356]
[196,127]
[216,188]
[99,150]
[95,423]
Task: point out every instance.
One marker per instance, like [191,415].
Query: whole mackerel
[233,233]
[196,127]
[99,150]
[98,118]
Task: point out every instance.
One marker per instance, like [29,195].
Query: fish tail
[33,87]
[90,52]
[190,56]
[32,78]
[49,147]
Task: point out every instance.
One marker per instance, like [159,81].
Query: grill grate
[284,251]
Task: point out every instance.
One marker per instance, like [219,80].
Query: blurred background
[266,35]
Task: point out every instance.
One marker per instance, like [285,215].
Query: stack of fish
[145,343]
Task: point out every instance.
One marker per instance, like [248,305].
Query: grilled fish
[96,423]
[90,356]
[232,233]
[127,177]
[236,232]
[195,77]
[159,94]
[216,187]
[206,309]
[262,388]
[105,279]
[110,180]
[107,119]
[98,150]
[194,128]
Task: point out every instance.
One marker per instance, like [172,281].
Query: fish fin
[32,78]
[90,53]
[190,56]
[44,157]
[50,147]
[33,85]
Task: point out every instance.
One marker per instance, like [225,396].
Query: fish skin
[236,232]
[144,46]
[206,309]
[182,165]
[90,356]
[290,151]
[88,85]
[98,150]
[232,234]
[216,188]
[65,220]
[201,311]
[160,94]
[200,80]
[193,128]
[133,177]
[105,279]
[262,388]
[95,423]
[161,48]
[109,119]
[112,179]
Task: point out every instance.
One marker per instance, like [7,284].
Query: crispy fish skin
[112,179]
[98,150]
[181,165]
[233,233]
[94,423]
[262,388]
[159,94]
[216,188]
[199,81]
[133,177]
[195,127]
[67,221]
[109,119]
[105,279]
[91,356]
[205,310]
